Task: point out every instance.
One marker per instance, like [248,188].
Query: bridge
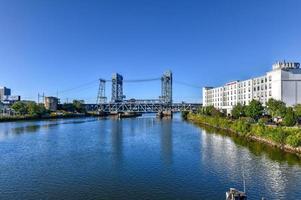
[142,107]
[119,103]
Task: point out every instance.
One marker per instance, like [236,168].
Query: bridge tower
[117,88]
[101,96]
[166,88]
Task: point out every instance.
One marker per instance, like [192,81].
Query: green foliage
[20,107]
[238,111]
[263,120]
[245,126]
[241,126]
[79,106]
[294,139]
[276,108]
[184,114]
[254,109]
[29,108]
[200,110]
[290,118]
[211,111]
[68,107]
[75,106]
[297,109]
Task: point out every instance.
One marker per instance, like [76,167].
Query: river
[137,158]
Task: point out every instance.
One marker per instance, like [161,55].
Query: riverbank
[33,117]
[285,138]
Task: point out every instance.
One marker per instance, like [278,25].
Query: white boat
[235,194]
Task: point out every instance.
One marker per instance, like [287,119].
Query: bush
[290,118]
[184,114]
[246,126]
[241,126]
[263,120]
[294,139]
[278,135]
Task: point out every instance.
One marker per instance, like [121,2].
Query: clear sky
[53,45]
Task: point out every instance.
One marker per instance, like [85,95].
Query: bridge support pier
[165,113]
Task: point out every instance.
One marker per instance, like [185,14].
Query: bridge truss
[142,107]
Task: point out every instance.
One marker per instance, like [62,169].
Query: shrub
[241,126]
[263,120]
[184,114]
[294,139]
[276,134]
[290,118]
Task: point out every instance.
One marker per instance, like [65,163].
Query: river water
[141,158]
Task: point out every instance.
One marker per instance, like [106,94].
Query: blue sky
[53,45]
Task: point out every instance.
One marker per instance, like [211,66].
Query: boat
[235,194]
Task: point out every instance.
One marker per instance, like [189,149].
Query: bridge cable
[188,84]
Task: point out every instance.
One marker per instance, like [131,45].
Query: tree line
[288,116]
[32,108]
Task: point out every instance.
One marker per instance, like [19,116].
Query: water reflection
[10,129]
[230,158]
[258,149]
[117,141]
[166,141]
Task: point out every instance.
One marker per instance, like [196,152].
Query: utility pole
[41,96]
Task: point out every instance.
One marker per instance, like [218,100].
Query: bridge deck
[142,107]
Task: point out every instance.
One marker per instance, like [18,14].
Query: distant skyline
[57,45]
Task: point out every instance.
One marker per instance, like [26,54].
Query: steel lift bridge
[119,104]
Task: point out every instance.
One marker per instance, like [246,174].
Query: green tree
[211,111]
[68,107]
[276,108]
[32,108]
[42,109]
[79,106]
[20,107]
[254,109]
[297,109]
[290,118]
[238,111]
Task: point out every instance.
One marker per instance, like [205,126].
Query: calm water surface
[142,158]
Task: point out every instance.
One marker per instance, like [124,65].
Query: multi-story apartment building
[283,83]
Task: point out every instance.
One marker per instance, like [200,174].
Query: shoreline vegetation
[29,110]
[51,116]
[259,126]
[273,136]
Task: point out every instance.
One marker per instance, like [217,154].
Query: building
[283,83]
[4,93]
[51,103]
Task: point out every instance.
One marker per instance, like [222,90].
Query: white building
[282,83]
